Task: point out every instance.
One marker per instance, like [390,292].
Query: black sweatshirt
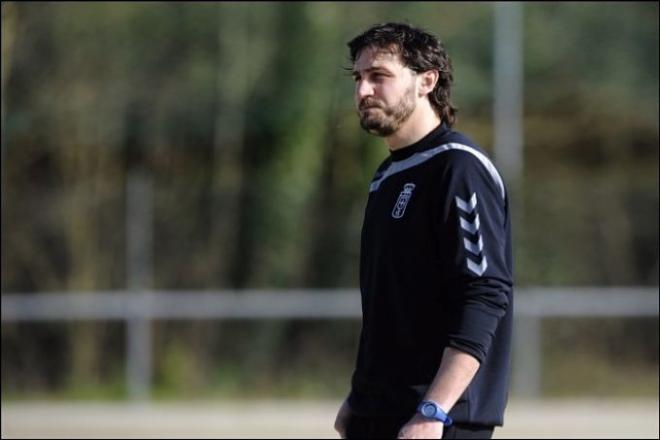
[435,272]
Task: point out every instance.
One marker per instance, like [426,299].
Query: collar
[429,141]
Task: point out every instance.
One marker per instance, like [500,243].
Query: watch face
[428,410]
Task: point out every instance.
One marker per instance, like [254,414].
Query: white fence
[139,308]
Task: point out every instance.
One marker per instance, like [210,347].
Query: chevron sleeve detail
[473,235]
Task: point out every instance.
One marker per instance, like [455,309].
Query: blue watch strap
[432,410]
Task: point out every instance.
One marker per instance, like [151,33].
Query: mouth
[369,105]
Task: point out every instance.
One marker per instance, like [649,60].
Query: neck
[419,124]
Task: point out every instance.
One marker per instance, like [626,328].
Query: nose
[363,89]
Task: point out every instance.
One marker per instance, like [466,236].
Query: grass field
[561,418]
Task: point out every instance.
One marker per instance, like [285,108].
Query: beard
[383,121]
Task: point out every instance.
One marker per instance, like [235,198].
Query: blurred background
[185,148]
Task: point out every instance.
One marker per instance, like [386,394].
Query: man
[435,265]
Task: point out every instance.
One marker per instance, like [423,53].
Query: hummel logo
[467,206]
[479,269]
[473,227]
[473,247]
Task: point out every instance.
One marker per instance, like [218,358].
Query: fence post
[139,274]
[138,363]
[526,367]
[508,89]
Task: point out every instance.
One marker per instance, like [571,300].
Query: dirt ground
[595,418]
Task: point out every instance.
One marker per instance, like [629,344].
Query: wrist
[430,410]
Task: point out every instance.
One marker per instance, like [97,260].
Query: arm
[454,375]
[471,227]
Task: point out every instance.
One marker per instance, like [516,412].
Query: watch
[432,410]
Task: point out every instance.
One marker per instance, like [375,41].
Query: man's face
[385,91]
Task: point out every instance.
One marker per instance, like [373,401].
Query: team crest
[402,201]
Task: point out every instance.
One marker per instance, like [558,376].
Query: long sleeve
[472,229]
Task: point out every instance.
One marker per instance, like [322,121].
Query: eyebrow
[371,69]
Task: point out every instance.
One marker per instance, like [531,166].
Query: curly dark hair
[420,51]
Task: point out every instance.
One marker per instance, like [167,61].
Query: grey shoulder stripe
[419,158]
[485,162]
[412,161]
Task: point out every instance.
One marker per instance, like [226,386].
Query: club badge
[402,201]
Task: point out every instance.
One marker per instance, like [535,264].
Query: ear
[427,81]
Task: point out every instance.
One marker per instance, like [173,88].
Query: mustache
[369,103]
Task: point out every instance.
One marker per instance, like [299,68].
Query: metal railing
[139,308]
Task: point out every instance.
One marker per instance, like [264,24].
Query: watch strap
[437,413]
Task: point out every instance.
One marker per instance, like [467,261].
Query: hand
[421,427]
[342,418]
